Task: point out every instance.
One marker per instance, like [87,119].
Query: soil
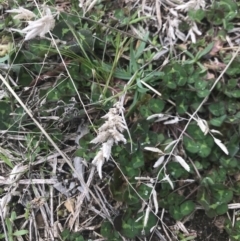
[207,229]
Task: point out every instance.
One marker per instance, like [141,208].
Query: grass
[119,121]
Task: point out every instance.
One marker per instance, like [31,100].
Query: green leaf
[207,181]
[221,209]
[218,175]
[108,231]
[145,111]
[175,212]
[20,232]
[144,191]
[130,197]
[232,83]
[6,160]
[218,121]
[152,221]
[137,159]
[195,132]
[234,119]
[134,66]
[65,234]
[233,68]
[200,84]
[130,229]
[9,226]
[221,193]
[156,105]
[175,171]
[190,145]
[203,198]
[182,107]
[200,54]
[203,93]
[187,207]
[140,129]
[171,84]
[229,162]
[174,199]
[204,149]
[211,213]
[232,106]
[196,15]
[13,216]
[142,46]
[2,235]
[235,93]
[181,81]
[217,109]
[229,7]
[233,147]
[122,74]
[153,77]
[130,171]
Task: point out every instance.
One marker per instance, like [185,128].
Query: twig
[3,223]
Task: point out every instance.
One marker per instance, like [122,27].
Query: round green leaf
[130,196]
[221,209]
[181,107]
[217,109]
[181,81]
[108,231]
[229,162]
[196,15]
[233,147]
[195,132]
[175,170]
[218,175]
[218,121]
[137,159]
[221,193]
[144,191]
[200,84]
[174,199]
[235,93]
[145,111]
[187,207]
[175,212]
[232,83]
[130,171]
[190,145]
[129,228]
[203,93]
[171,85]
[204,150]
[156,105]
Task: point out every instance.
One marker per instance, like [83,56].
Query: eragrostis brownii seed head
[39,27]
[109,133]
[22,13]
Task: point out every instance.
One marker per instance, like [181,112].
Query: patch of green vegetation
[170,104]
[11,233]
[66,235]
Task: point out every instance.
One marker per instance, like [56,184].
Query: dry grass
[30,177]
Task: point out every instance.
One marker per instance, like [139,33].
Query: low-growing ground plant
[119,120]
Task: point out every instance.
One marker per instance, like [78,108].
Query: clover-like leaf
[187,207]
[191,145]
